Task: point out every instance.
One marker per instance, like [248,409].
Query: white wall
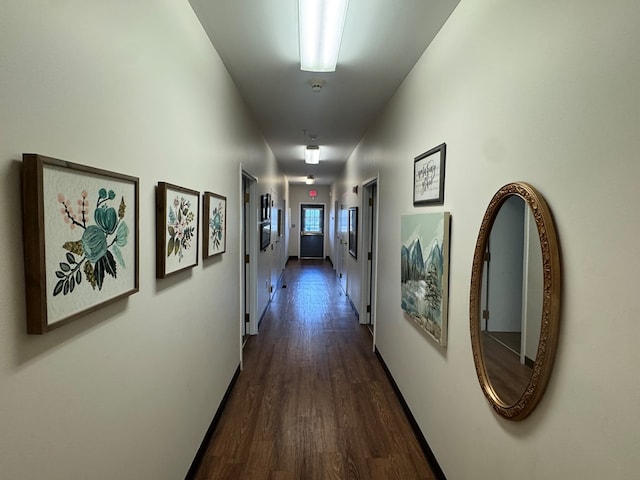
[134,87]
[545,92]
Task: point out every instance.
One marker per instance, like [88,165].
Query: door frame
[370,229]
[324,228]
[249,231]
[336,236]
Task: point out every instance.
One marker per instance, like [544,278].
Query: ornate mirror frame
[550,308]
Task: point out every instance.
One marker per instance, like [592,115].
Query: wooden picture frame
[177,229]
[353,231]
[81,242]
[214,224]
[428,176]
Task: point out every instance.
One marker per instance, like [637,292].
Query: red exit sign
[313,193]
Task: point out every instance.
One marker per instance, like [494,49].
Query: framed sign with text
[428,176]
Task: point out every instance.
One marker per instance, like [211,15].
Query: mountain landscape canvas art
[424,263]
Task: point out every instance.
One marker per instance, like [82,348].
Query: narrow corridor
[313,401]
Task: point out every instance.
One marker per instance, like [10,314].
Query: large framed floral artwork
[177,229]
[214,224]
[81,243]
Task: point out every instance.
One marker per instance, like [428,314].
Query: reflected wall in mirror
[515,300]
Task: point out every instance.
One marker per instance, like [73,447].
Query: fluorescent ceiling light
[312,155]
[310,180]
[320,25]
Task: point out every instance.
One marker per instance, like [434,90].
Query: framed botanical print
[80,239]
[177,229]
[214,224]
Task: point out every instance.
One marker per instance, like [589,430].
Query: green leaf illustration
[98,272]
[110,265]
[78,276]
[122,234]
[118,254]
[172,216]
[58,288]
[102,193]
[170,246]
[65,267]
[70,258]
[176,247]
[60,274]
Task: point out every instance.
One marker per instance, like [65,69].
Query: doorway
[343,235]
[370,238]
[311,230]
[248,269]
[504,277]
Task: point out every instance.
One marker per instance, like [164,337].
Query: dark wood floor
[313,401]
[507,375]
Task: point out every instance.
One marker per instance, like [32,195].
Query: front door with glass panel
[311,231]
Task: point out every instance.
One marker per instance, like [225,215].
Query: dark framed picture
[428,176]
[80,239]
[177,229]
[279,223]
[265,207]
[265,235]
[353,231]
[214,224]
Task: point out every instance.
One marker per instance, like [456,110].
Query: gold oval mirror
[515,300]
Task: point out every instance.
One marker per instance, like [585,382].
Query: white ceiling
[258,43]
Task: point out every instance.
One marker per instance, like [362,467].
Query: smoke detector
[316,85]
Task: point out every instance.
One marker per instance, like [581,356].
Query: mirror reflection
[511,299]
[515,300]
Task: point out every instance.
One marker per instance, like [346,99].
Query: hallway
[313,401]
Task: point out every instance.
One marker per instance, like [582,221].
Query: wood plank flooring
[507,375]
[312,401]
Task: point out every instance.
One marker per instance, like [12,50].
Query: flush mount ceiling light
[312,155]
[320,26]
[310,180]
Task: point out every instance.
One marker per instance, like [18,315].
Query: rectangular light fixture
[320,26]
[312,155]
[310,180]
